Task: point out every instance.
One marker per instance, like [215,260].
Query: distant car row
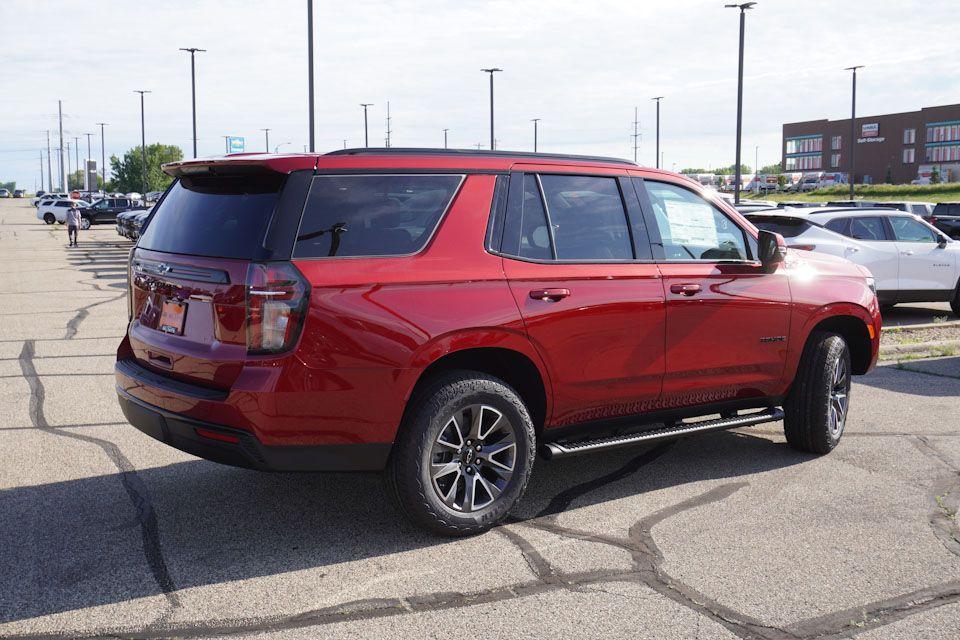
[102,211]
[130,223]
[17,193]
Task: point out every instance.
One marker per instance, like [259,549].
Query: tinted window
[910,230]
[534,235]
[62,204]
[786,227]
[374,215]
[691,228]
[220,216]
[588,218]
[839,225]
[867,229]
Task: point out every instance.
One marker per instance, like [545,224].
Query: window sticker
[691,223]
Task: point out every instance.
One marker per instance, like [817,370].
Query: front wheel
[955,303]
[85,223]
[463,456]
[815,412]
[49,218]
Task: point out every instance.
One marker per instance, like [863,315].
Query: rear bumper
[240,448]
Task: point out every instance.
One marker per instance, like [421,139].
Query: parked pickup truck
[442,316]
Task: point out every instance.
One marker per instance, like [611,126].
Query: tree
[732,169]
[781,181]
[772,168]
[9,186]
[935,175]
[128,172]
[693,171]
[75,181]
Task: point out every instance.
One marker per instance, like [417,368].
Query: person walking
[73,223]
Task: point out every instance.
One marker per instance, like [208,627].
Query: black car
[106,210]
[946,217]
[138,224]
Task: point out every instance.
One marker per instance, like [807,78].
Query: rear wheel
[49,218]
[955,303]
[85,223]
[816,408]
[463,456]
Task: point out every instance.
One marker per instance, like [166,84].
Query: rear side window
[216,216]
[373,215]
[839,225]
[867,229]
[588,218]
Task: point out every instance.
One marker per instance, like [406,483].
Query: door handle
[906,253]
[551,295]
[685,289]
[853,249]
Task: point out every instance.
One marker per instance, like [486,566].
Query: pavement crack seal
[132,482]
[945,497]
[82,314]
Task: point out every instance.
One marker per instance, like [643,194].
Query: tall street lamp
[266,132]
[310,69]
[143,140]
[853,125]
[535,121]
[49,169]
[86,178]
[491,71]
[76,155]
[277,148]
[657,157]
[366,131]
[743,21]
[103,156]
[445,138]
[63,185]
[193,92]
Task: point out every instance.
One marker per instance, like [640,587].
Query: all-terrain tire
[49,218]
[410,473]
[813,420]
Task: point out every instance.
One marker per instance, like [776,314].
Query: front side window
[372,215]
[910,230]
[588,218]
[693,229]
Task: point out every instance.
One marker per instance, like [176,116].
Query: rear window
[372,215]
[786,227]
[215,216]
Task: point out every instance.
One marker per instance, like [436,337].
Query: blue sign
[235,144]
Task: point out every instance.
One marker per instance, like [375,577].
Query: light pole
[63,186]
[853,124]
[277,148]
[535,121]
[743,21]
[69,170]
[636,133]
[103,156]
[76,156]
[491,71]
[86,178]
[266,132]
[310,68]
[445,138]
[657,157]
[143,140]
[49,168]
[756,169]
[226,144]
[41,171]
[193,92]
[366,132]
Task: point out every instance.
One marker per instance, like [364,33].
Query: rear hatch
[212,240]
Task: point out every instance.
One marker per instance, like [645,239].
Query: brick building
[904,146]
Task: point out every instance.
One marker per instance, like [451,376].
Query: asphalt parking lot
[107,533]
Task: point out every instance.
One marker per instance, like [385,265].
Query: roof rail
[473,153]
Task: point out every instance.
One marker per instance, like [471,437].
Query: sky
[580,66]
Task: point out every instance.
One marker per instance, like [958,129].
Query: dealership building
[897,146]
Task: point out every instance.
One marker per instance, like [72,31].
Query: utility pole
[344,143]
[493,142]
[49,168]
[853,126]
[76,152]
[226,144]
[193,92]
[366,131]
[41,169]
[103,156]
[658,157]
[743,23]
[310,68]
[143,141]
[636,133]
[535,127]
[63,186]
[445,138]
[266,132]
[69,170]
[756,169]
[389,131]
[86,178]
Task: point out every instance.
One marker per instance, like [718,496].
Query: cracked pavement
[107,533]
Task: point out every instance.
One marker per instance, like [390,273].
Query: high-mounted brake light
[277,298]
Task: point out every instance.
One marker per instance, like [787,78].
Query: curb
[929,325]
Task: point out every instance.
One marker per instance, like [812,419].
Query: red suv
[444,315]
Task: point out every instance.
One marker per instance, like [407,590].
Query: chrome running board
[564,448]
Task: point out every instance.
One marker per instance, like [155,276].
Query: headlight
[872,283]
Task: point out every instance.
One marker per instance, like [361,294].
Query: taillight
[804,247]
[277,298]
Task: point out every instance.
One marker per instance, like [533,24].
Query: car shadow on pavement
[82,543]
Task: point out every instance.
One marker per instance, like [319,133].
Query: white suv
[51,211]
[911,261]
